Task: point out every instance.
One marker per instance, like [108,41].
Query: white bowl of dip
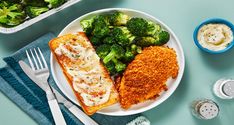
[214,35]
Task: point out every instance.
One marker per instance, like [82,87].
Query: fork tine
[43,59]
[35,61]
[38,58]
[30,61]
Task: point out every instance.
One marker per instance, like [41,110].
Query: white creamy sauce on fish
[88,78]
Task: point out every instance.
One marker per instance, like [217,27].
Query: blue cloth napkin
[20,89]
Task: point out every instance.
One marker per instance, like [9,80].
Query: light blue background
[201,71]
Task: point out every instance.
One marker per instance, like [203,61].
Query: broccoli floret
[87,25]
[159,39]
[128,55]
[106,18]
[119,66]
[137,26]
[146,41]
[100,31]
[36,3]
[118,18]
[54,3]
[101,28]
[99,22]
[135,49]
[109,40]
[11,14]
[95,41]
[35,11]
[123,36]
[142,27]
[103,50]
[163,37]
[111,67]
[116,52]
[153,28]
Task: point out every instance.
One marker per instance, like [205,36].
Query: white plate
[115,109]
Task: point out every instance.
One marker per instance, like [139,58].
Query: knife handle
[56,112]
[84,118]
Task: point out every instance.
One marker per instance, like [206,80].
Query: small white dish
[116,110]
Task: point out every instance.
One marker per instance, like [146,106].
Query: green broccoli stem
[111,67]
[109,57]
[119,66]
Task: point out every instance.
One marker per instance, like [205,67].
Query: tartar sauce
[215,36]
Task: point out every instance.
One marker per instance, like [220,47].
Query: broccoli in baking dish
[15,12]
[11,14]
[35,11]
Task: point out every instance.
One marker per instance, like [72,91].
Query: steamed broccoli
[103,50]
[54,3]
[137,26]
[87,25]
[36,3]
[128,55]
[119,66]
[100,31]
[111,53]
[111,67]
[159,39]
[106,18]
[116,52]
[109,40]
[146,41]
[118,40]
[11,14]
[118,18]
[163,37]
[152,28]
[95,41]
[122,35]
[35,11]
[141,27]
[101,28]
[136,49]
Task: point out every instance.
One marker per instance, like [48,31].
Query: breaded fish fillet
[146,75]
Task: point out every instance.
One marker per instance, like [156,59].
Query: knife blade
[71,107]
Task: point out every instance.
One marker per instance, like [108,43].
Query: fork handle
[56,112]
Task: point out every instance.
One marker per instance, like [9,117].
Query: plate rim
[143,109]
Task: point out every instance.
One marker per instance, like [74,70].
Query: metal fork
[41,71]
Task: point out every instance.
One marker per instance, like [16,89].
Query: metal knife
[85,119]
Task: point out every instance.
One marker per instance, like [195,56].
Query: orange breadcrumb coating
[146,75]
